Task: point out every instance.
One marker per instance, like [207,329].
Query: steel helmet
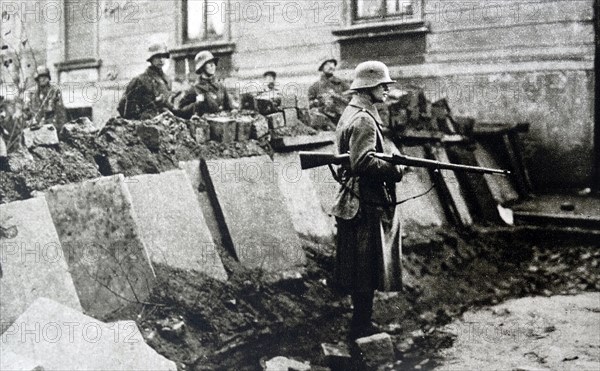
[203,58]
[325,60]
[370,74]
[42,71]
[157,50]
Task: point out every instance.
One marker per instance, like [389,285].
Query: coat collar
[333,79]
[363,103]
[157,73]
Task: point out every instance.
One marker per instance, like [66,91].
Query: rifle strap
[387,204]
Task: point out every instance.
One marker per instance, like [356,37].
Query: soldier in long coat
[208,95]
[148,94]
[368,255]
[45,105]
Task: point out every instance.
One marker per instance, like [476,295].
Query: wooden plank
[447,182]
[500,187]
[517,160]
[299,141]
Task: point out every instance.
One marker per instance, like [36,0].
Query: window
[392,31]
[378,10]
[80,33]
[203,25]
[204,20]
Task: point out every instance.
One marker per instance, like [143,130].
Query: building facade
[503,61]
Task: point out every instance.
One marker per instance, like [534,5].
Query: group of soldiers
[151,92]
[365,206]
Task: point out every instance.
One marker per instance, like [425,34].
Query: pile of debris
[284,116]
[82,151]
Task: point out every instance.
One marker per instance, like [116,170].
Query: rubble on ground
[119,147]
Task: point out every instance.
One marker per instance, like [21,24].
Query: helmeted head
[327,65]
[202,58]
[42,71]
[370,74]
[42,75]
[270,77]
[157,50]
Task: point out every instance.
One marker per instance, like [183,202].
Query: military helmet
[270,73]
[203,58]
[370,74]
[42,71]
[157,50]
[325,60]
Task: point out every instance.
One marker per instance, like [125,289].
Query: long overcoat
[139,101]
[368,251]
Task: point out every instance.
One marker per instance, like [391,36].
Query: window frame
[416,16]
[184,38]
[66,64]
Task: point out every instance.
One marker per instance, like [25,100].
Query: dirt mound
[235,325]
[122,146]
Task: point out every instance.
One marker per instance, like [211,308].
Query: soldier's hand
[159,99]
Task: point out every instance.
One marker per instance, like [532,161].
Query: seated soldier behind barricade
[149,94]
[270,80]
[208,95]
[327,94]
[45,105]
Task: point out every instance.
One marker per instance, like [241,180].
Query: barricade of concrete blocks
[227,127]
[281,109]
[52,336]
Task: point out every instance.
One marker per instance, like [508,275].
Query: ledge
[303,141]
[378,29]
[220,47]
[78,64]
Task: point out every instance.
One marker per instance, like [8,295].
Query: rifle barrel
[421,162]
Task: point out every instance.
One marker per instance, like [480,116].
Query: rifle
[309,160]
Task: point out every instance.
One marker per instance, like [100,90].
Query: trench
[239,324]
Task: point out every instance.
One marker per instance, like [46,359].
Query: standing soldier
[326,95]
[45,106]
[368,238]
[208,95]
[148,94]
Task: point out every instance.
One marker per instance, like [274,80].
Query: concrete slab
[252,208]
[44,136]
[102,244]
[13,362]
[192,169]
[422,211]
[302,199]
[291,116]
[32,260]
[260,127]
[171,223]
[61,338]
[276,120]
[560,210]
[376,350]
[327,187]
[500,186]
[222,129]
[283,363]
